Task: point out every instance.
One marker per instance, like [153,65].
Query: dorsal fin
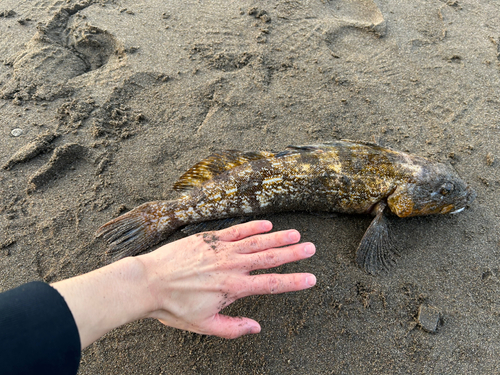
[290,150]
[304,148]
[366,143]
[214,165]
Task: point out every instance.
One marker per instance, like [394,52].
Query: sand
[103,104]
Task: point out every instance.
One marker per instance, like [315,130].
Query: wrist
[147,281]
[132,283]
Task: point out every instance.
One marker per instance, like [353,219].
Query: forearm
[106,298]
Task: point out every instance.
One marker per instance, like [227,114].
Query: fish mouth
[470,196]
[457,211]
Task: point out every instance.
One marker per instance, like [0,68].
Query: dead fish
[340,176]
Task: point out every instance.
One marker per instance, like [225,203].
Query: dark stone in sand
[428,318]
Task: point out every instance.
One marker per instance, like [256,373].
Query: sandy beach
[104,104]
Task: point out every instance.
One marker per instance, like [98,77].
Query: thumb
[230,327]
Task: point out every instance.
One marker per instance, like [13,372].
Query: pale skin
[184,284]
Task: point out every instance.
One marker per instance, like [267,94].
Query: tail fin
[134,232]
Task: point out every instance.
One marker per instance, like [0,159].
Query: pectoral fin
[375,252]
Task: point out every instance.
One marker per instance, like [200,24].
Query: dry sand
[115,99]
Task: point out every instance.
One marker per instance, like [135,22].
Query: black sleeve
[38,334]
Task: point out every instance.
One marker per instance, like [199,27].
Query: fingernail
[294,236]
[254,330]
[310,249]
[311,280]
[266,225]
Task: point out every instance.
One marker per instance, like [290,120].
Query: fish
[340,176]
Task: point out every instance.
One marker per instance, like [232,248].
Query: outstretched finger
[277,283]
[276,257]
[266,241]
[230,327]
[240,231]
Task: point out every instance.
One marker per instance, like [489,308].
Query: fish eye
[446,188]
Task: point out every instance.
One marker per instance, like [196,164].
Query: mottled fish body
[340,176]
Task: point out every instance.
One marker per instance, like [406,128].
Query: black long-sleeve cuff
[38,334]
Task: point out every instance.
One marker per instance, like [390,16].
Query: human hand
[190,280]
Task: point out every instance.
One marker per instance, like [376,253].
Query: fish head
[434,189]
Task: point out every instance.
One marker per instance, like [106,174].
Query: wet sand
[104,104]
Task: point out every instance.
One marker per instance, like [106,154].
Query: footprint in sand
[64,48]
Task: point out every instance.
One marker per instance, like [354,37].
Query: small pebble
[16,132]
[490,159]
[428,318]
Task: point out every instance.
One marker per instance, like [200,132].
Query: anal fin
[375,251]
[213,225]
